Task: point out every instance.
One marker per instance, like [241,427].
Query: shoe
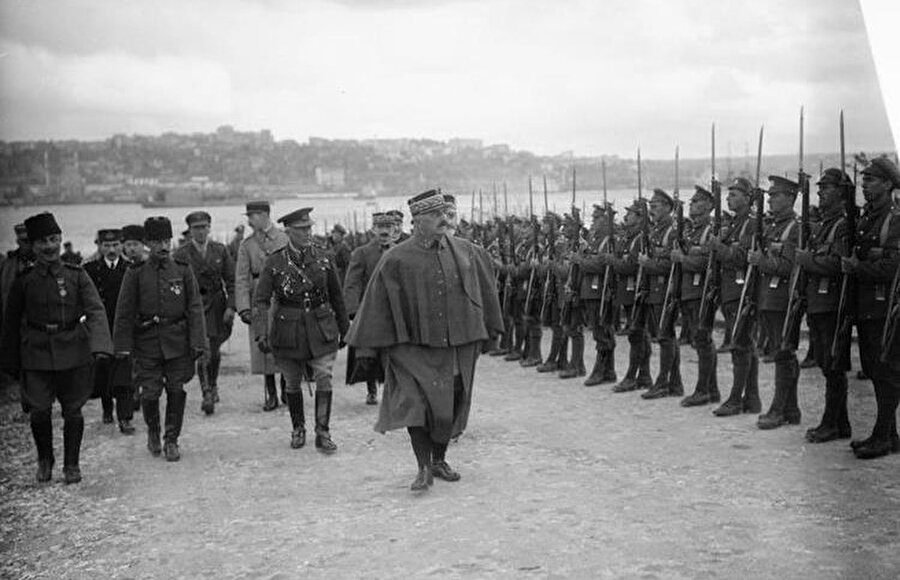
[325,444]
[44,470]
[874,449]
[153,444]
[530,362]
[371,399]
[498,352]
[571,373]
[298,438]
[125,427]
[107,417]
[513,355]
[657,392]
[208,406]
[548,367]
[593,380]
[727,409]
[625,386]
[423,480]
[696,400]
[171,451]
[772,421]
[825,434]
[72,474]
[442,470]
[754,406]
[857,443]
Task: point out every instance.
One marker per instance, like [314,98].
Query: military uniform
[573,314]
[339,252]
[598,316]
[308,322]
[160,322]
[658,268]
[627,286]
[878,252]
[693,275]
[112,377]
[516,282]
[252,254]
[531,291]
[736,240]
[780,241]
[54,322]
[214,271]
[553,274]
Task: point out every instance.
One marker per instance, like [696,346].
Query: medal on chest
[175,287]
[61,285]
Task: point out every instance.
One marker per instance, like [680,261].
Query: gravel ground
[558,481]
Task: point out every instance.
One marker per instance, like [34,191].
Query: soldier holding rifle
[597,290]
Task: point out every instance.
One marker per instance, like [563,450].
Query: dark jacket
[780,239]
[738,237]
[108,282]
[878,242]
[215,281]
[362,263]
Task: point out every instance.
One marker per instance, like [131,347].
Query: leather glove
[263,345]
[246,318]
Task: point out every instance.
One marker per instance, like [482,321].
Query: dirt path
[558,481]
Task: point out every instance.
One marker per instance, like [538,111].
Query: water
[80,223]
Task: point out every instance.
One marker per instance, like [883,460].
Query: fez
[883,168]
[109,235]
[133,232]
[741,184]
[430,200]
[299,218]
[661,196]
[779,184]
[702,194]
[158,228]
[198,217]
[41,225]
[258,207]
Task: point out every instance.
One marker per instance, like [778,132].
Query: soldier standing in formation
[430,306]
[599,316]
[731,249]
[307,324]
[252,253]
[54,324]
[875,265]
[657,267]
[362,264]
[112,377]
[775,266]
[214,271]
[160,323]
[694,264]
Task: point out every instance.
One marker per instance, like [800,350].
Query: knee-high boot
[73,431]
[150,410]
[42,431]
[323,419]
[298,420]
[552,362]
[575,366]
[175,400]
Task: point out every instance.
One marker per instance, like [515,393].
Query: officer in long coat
[214,271]
[112,377]
[307,323]
[252,253]
[429,308]
[54,324]
[362,263]
[160,322]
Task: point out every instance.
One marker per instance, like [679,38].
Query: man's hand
[246,318]
[849,265]
[754,257]
[643,259]
[228,317]
[262,343]
[676,255]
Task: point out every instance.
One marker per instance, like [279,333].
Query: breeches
[293,370]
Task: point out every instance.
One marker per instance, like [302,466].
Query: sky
[585,76]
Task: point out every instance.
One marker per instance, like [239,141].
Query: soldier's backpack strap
[787,231]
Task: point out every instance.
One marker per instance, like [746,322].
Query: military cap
[20,229]
[553,218]
[383,219]
[449,200]
[779,184]
[258,207]
[661,196]
[427,201]
[638,206]
[702,194]
[741,184]
[133,232]
[299,218]
[41,225]
[833,176]
[396,214]
[338,228]
[883,168]
[109,235]
[197,217]
[158,228]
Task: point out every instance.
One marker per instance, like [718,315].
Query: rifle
[610,247]
[549,293]
[712,283]
[535,250]
[673,287]
[747,304]
[573,281]
[790,331]
[846,304]
[641,290]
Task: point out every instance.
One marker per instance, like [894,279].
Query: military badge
[176,287]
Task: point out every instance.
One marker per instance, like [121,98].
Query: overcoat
[215,280]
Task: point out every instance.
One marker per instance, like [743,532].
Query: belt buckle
[155,319]
[51,328]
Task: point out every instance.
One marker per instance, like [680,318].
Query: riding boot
[271,393]
[298,420]
[42,431]
[73,431]
[174,417]
[212,370]
[150,409]
[575,366]
[208,405]
[124,409]
[551,363]
[323,418]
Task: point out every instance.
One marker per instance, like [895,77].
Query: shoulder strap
[787,231]
[829,239]
[885,229]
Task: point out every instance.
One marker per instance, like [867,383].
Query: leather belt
[306,306]
[53,328]
[159,321]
